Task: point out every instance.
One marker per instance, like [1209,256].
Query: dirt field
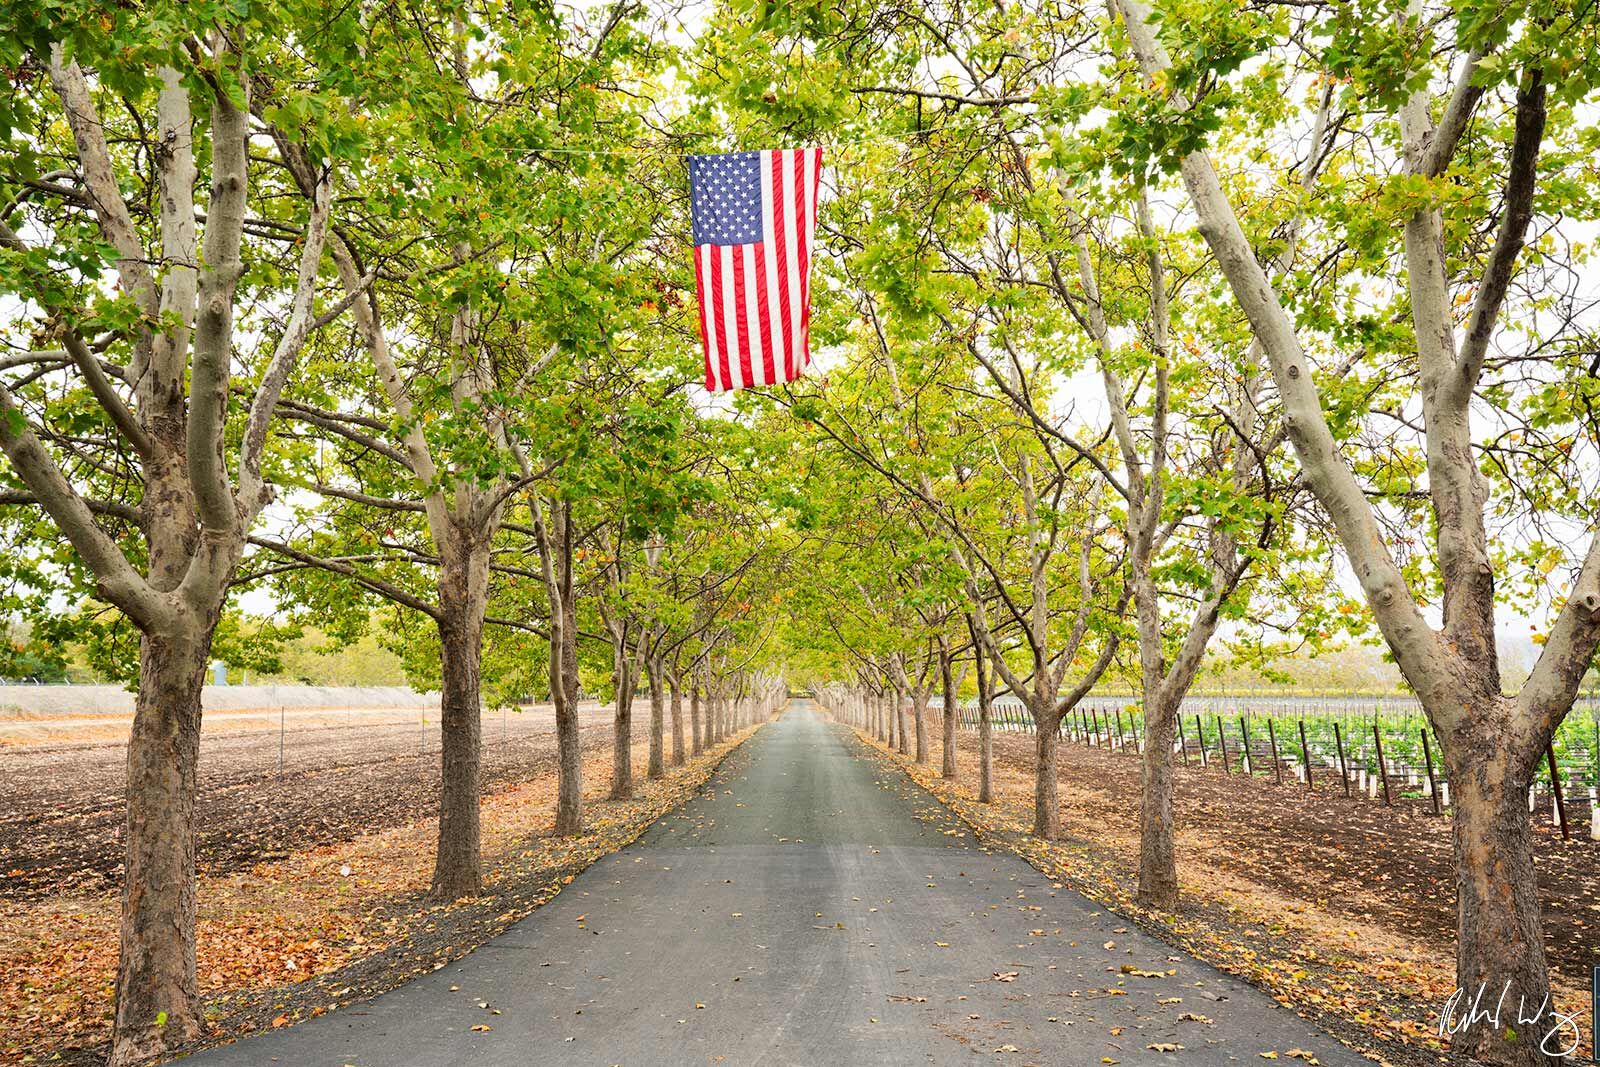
[330,923]
[1390,865]
[342,775]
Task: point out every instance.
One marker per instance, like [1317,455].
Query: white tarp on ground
[29,701]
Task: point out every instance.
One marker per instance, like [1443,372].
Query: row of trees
[359,307]
[1195,328]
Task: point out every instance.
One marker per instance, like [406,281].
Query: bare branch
[213,335]
[287,351]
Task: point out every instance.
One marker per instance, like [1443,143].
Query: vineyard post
[1344,768]
[1200,735]
[1098,743]
[1183,742]
[1222,742]
[1247,765]
[1305,754]
[1084,715]
[1383,772]
[1555,785]
[1277,764]
[1120,735]
[1427,756]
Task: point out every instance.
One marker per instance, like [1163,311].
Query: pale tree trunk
[463,599]
[556,563]
[569,787]
[1158,867]
[948,689]
[1499,931]
[622,721]
[985,728]
[156,969]
[1158,870]
[919,711]
[900,719]
[1046,807]
[569,745]
[658,715]
[694,719]
[676,681]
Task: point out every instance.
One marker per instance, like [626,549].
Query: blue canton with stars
[726,194]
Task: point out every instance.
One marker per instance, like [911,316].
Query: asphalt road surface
[808,908]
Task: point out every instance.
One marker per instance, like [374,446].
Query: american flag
[755,214]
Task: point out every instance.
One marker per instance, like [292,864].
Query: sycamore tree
[482,260]
[1462,133]
[162,278]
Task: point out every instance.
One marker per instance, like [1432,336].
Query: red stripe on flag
[719,320]
[741,317]
[763,316]
[705,338]
[782,259]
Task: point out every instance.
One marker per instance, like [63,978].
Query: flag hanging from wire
[755,214]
